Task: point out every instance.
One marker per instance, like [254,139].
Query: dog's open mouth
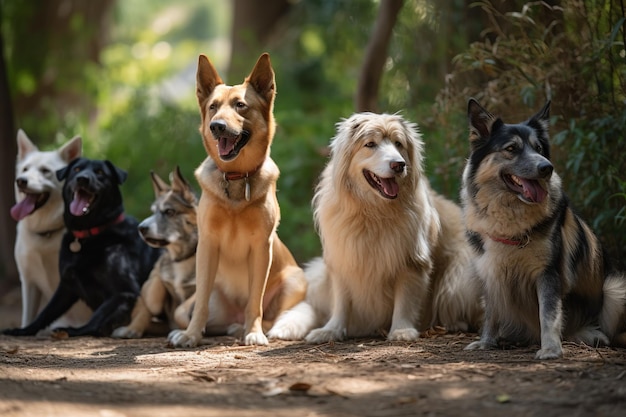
[81,202]
[157,243]
[528,190]
[229,147]
[28,205]
[387,187]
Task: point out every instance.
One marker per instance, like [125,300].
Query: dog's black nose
[545,169]
[21,182]
[397,166]
[217,127]
[82,180]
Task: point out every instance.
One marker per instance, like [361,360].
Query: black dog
[103,260]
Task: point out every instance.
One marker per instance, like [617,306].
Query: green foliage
[573,55]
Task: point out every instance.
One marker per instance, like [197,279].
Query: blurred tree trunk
[8,270]
[51,48]
[254,22]
[376,56]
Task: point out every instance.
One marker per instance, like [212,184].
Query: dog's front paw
[18,332]
[319,336]
[181,338]
[255,338]
[126,332]
[287,331]
[407,335]
[552,352]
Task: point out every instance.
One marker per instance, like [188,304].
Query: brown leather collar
[231,176]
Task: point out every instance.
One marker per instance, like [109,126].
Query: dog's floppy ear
[262,78]
[158,185]
[207,79]
[119,174]
[64,172]
[480,122]
[72,149]
[24,145]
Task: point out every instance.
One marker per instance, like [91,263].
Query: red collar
[231,176]
[81,234]
[522,242]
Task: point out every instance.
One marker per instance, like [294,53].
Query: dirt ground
[366,377]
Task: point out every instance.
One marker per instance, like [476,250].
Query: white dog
[395,255]
[39,213]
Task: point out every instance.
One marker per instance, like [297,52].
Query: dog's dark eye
[511,148]
[45,171]
[169,212]
[77,169]
[99,172]
[370,145]
[539,148]
[212,106]
[240,105]
[398,144]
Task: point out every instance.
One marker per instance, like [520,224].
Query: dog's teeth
[516,180]
[85,209]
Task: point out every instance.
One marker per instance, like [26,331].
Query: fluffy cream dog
[395,255]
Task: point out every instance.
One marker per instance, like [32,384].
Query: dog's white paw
[125,332]
[286,331]
[180,338]
[552,352]
[480,345]
[255,338]
[323,335]
[408,335]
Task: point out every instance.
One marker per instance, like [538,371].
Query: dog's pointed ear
[543,116]
[207,79]
[480,122]
[262,78]
[24,145]
[119,174]
[180,184]
[158,185]
[72,149]
[64,172]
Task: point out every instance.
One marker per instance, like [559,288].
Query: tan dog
[396,260]
[172,283]
[248,274]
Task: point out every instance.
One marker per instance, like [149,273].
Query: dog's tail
[297,322]
[613,315]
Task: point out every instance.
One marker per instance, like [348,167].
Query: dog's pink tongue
[533,191]
[226,145]
[24,207]
[390,186]
[79,205]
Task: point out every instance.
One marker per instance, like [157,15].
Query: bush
[573,55]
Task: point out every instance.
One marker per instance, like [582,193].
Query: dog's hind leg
[113,312]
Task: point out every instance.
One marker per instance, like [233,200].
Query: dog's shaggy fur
[395,259]
[544,272]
